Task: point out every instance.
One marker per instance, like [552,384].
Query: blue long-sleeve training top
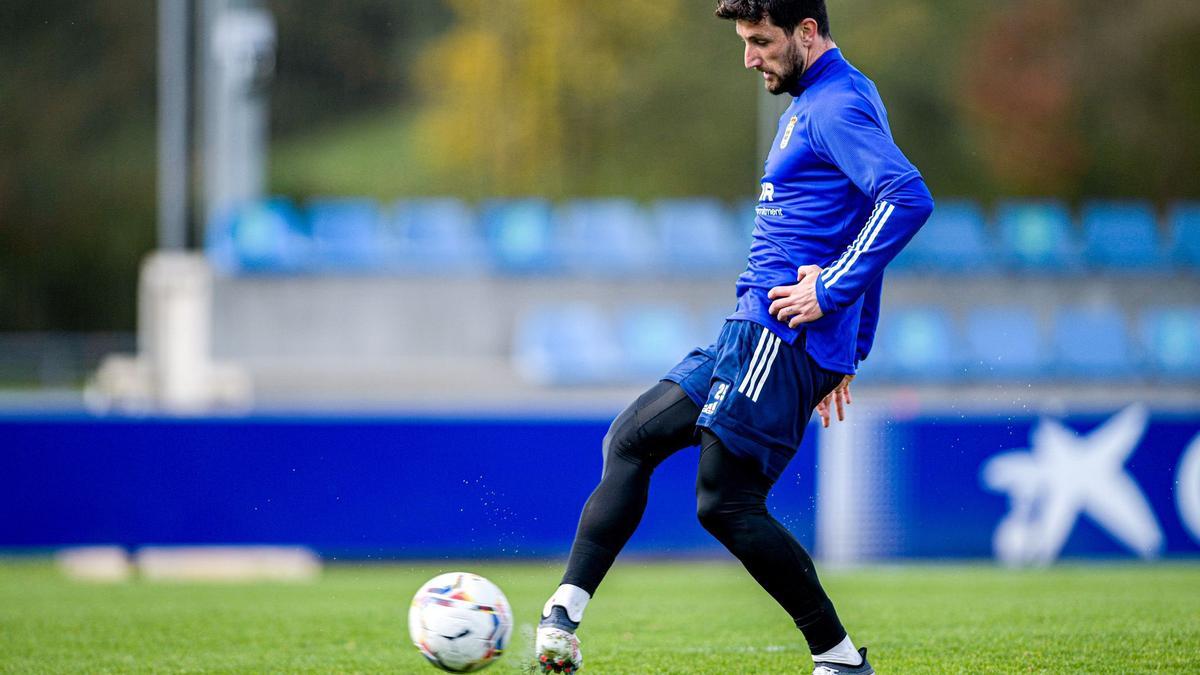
[839,194]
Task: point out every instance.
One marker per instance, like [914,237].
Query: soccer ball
[460,621]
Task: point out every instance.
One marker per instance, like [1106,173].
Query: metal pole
[237,52]
[173,19]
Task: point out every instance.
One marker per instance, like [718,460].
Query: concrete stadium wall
[389,318]
[409,340]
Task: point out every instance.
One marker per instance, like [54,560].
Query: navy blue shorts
[756,392]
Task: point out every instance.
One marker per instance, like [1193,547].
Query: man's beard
[787,80]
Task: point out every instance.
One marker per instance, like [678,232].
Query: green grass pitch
[649,617]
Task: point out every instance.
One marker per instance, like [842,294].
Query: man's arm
[869,319]
[858,144]
[840,397]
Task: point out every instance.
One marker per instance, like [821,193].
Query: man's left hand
[797,303]
[839,398]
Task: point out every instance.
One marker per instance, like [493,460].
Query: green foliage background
[477,98]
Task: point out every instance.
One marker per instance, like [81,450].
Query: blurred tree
[553,98]
[337,58]
[911,49]
[77,125]
[1023,101]
[1139,97]
[76,161]
[1078,98]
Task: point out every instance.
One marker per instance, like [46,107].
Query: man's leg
[659,423]
[731,495]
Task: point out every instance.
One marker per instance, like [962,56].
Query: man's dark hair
[787,14]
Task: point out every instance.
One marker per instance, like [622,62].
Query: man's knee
[658,423]
[724,501]
[716,510]
[710,513]
[730,518]
[624,440]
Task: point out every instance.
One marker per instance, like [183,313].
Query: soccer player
[837,202]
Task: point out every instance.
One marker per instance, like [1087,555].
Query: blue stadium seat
[1122,235]
[264,237]
[1005,342]
[698,238]
[606,237]
[1171,341]
[711,321]
[1037,235]
[1092,342]
[1185,234]
[915,344]
[744,213]
[346,234]
[567,344]
[653,339]
[435,235]
[954,240]
[520,236]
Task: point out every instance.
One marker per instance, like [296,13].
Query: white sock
[571,598]
[844,652]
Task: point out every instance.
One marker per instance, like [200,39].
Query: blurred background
[456,237]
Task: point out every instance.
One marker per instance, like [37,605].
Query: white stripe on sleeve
[865,247]
[832,269]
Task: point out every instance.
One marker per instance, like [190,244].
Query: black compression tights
[731,498]
[659,423]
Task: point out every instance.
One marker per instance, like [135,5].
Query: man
[838,201]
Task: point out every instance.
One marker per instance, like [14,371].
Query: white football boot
[557,646]
[558,650]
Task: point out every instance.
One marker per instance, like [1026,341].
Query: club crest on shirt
[787,133]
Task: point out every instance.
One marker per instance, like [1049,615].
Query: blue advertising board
[1023,489]
[356,487]
[1032,490]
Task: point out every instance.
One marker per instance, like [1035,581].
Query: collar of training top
[818,69]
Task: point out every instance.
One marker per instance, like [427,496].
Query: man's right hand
[839,398]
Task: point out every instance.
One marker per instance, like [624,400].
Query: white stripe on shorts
[767,370]
[762,339]
[760,365]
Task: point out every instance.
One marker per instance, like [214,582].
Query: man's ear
[807,31]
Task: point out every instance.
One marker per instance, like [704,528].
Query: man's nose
[752,58]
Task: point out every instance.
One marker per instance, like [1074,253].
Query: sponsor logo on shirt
[768,195]
[787,133]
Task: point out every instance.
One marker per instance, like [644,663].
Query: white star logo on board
[1065,475]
